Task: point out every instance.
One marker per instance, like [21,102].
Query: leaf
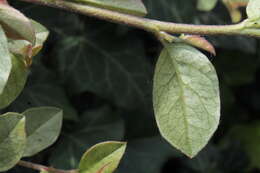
[5,59]
[135,7]
[103,157]
[38,94]
[206,5]
[43,126]
[233,8]
[15,24]
[253,9]
[12,139]
[22,47]
[44,172]
[101,124]
[186,98]
[15,83]
[112,71]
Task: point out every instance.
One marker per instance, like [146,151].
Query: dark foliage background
[100,74]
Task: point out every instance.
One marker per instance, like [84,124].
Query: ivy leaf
[253,9]
[38,95]
[5,59]
[43,127]
[15,83]
[12,139]
[135,7]
[15,24]
[206,5]
[186,98]
[102,158]
[121,80]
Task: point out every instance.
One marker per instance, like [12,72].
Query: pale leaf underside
[186,98]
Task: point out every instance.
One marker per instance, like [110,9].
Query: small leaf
[15,24]
[253,9]
[233,8]
[102,158]
[206,5]
[199,42]
[23,47]
[12,139]
[43,127]
[5,59]
[15,83]
[186,98]
[135,7]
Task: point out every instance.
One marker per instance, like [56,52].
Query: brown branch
[39,167]
[149,25]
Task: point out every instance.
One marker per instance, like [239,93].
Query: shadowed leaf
[15,83]
[206,5]
[6,62]
[43,127]
[12,139]
[233,8]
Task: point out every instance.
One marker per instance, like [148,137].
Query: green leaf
[43,126]
[233,8]
[15,83]
[12,139]
[5,59]
[135,7]
[44,172]
[253,9]
[23,47]
[15,24]
[186,98]
[206,5]
[102,158]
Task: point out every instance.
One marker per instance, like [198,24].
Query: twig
[43,168]
[150,25]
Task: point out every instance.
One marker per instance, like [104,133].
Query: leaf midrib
[104,158]
[181,84]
